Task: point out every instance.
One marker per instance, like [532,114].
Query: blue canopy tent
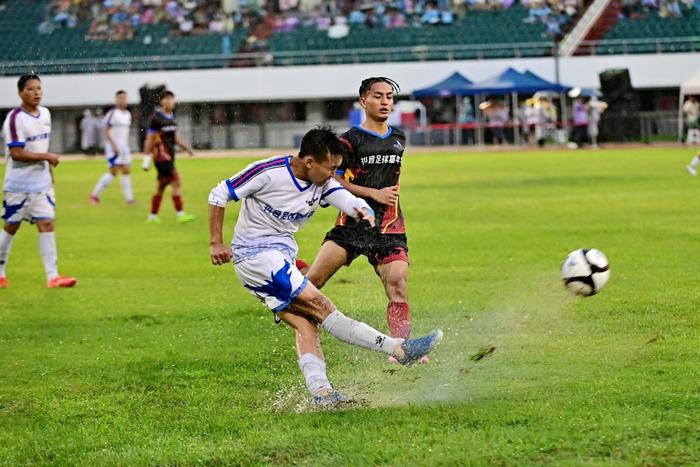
[512,82]
[455,85]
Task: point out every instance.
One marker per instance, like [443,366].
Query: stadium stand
[678,32]
[64,36]
[88,37]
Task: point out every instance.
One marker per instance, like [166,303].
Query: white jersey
[275,205]
[24,130]
[119,123]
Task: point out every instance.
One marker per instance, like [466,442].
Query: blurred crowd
[554,14]
[120,19]
[633,9]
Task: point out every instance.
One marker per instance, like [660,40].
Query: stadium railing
[338,56]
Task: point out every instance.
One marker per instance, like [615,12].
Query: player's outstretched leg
[125,182]
[101,184]
[311,360]
[49,255]
[312,303]
[330,258]
[692,167]
[7,234]
[181,215]
[155,202]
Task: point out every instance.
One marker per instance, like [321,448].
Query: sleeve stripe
[13,124]
[231,190]
[16,144]
[340,172]
[110,114]
[332,190]
[258,169]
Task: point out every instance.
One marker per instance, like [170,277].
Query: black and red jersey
[374,161]
[163,128]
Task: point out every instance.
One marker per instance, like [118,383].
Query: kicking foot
[331,398]
[94,200]
[415,349]
[424,360]
[3,282]
[691,170]
[61,282]
[154,220]
[184,218]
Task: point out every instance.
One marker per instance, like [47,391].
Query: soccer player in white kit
[279,195]
[116,126]
[28,192]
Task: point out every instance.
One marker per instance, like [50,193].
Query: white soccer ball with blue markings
[585,272]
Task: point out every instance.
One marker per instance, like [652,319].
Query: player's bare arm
[388,195]
[21,155]
[220,253]
[184,145]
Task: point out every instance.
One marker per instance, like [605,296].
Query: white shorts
[123,158]
[272,278]
[28,206]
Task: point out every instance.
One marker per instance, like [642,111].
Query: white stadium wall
[340,81]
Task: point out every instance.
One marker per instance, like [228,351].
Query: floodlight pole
[562,95]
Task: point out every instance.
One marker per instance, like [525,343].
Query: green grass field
[158,357]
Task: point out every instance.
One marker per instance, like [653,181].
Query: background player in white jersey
[279,195]
[116,126]
[28,188]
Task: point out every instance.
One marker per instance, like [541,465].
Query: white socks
[314,371]
[5,245]
[360,334]
[125,181]
[47,248]
[102,183]
[107,178]
[695,161]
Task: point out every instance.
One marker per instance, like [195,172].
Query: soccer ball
[585,272]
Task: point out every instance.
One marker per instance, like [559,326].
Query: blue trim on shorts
[112,160]
[51,201]
[292,296]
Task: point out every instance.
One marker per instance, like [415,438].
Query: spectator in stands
[394,18]
[431,16]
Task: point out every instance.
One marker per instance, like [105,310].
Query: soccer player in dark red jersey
[371,171]
[160,144]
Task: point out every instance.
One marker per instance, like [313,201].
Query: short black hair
[367,84]
[24,79]
[121,91]
[320,142]
[165,94]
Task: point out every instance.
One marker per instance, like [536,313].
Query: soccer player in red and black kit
[371,171]
[160,144]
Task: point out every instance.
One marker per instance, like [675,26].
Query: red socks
[177,201]
[155,204]
[397,316]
